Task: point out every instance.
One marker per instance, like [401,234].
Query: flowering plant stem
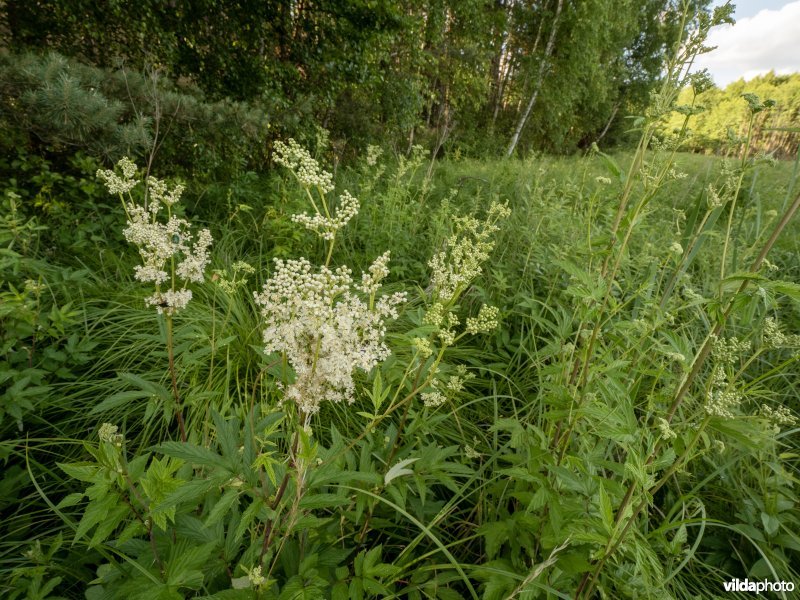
[175,395]
[678,399]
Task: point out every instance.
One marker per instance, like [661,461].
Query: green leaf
[196,455]
[398,470]
[223,506]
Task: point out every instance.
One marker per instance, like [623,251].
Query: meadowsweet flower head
[423,346]
[676,248]
[371,281]
[325,330]
[373,154]
[433,399]
[119,185]
[780,415]
[170,252]
[666,430]
[255,577]
[325,226]
[722,398]
[728,350]
[460,261]
[485,322]
[300,162]
[775,338]
[712,198]
[108,433]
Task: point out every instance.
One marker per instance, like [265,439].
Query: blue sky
[766,37]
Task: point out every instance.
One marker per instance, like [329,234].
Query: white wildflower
[666,430]
[169,251]
[423,346]
[775,338]
[325,330]
[371,281]
[255,577]
[300,162]
[433,399]
[115,183]
[676,248]
[460,262]
[485,322]
[169,302]
[373,154]
[778,416]
[325,226]
[108,433]
[722,398]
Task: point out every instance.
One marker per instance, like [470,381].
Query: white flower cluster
[713,199]
[666,431]
[377,272]
[485,322]
[778,416]
[108,433]
[775,338]
[460,262]
[446,388]
[162,246]
[326,227]
[325,330]
[307,170]
[115,183]
[373,154]
[729,350]
[722,397]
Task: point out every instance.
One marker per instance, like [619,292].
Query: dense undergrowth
[509,486]
[549,378]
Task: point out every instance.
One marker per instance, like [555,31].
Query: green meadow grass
[512,486]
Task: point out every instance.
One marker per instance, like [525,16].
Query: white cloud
[769,40]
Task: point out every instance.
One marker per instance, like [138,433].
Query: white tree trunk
[538,84]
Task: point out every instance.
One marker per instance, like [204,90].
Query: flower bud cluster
[108,433]
[116,184]
[168,249]
[373,154]
[729,350]
[485,322]
[775,338]
[722,398]
[326,227]
[300,162]
[325,330]
[779,415]
[460,262]
[666,431]
[446,388]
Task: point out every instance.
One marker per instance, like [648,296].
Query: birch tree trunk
[538,83]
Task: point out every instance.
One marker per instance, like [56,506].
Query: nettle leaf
[398,470]
[196,455]
[87,472]
[317,501]
[248,516]
[191,492]
[187,563]
[606,509]
[223,506]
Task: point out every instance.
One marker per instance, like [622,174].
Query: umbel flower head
[325,330]
[170,253]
